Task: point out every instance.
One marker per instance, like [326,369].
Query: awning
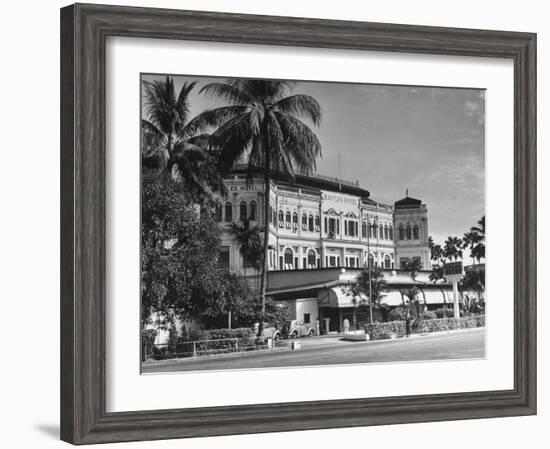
[393,297]
[339,297]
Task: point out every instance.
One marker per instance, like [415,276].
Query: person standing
[346,326]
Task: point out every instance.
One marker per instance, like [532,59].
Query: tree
[169,141]
[470,240]
[478,251]
[248,238]
[262,124]
[378,288]
[452,248]
[179,252]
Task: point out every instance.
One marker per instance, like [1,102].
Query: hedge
[392,329]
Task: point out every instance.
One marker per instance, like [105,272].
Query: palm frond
[212,118]
[300,106]
[230,91]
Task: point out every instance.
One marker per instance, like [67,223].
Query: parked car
[295,329]
[270,331]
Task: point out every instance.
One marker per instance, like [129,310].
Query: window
[402,262]
[415,232]
[311,258]
[287,217]
[310,223]
[249,260]
[281,219]
[317,223]
[228,211]
[401,232]
[304,222]
[218,212]
[253,210]
[289,259]
[295,221]
[332,226]
[370,261]
[408,235]
[332,261]
[242,211]
[386,235]
[381,231]
[374,229]
[307,318]
[223,257]
[364,229]
[387,262]
[390,230]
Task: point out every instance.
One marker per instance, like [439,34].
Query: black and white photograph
[289,223]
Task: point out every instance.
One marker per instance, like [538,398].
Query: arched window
[242,211]
[228,211]
[311,259]
[253,211]
[295,218]
[381,231]
[364,229]
[386,235]
[390,230]
[304,222]
[387,262]
[281,218]
[374,228]
[317,223]
[401,232]
[289,259]
[218,212]
[287,216]
[415,232]
[409,235]
[310,222]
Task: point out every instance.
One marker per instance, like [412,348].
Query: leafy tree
[170,143]
[262,124]
[378,288]
[179,252]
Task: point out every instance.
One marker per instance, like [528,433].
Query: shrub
[147,342]
[428,315]
[397,314]
[378,331]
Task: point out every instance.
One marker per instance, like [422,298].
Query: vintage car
[270,331]
[295,329]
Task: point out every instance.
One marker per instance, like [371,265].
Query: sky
[429,140]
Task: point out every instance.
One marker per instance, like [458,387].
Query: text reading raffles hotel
[317,222]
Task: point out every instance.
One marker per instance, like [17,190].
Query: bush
[379,331]
[443,312]
[397,314]
[428,315]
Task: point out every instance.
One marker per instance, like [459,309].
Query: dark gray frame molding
[83,32]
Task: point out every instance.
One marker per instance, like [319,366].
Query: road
[329,351]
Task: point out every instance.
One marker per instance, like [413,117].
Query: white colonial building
[320,222]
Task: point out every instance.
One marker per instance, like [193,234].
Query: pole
[455,298]
[369,271]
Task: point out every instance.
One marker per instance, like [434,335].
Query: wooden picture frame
[84,29]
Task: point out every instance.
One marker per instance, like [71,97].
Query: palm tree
[478,251]
[249,241]
[169,141]
[470,241]
[262,124]
[452,248]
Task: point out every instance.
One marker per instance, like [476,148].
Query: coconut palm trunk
[265,259]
